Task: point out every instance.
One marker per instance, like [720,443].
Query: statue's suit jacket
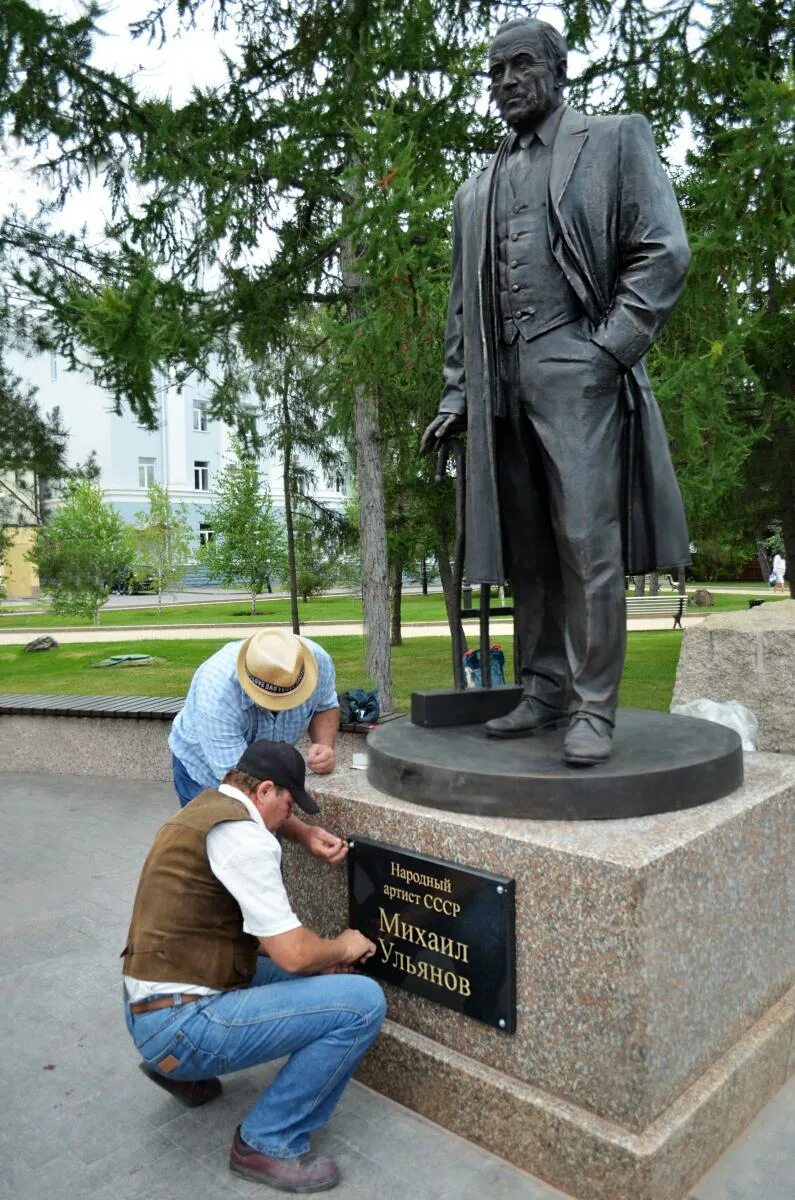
[617,234]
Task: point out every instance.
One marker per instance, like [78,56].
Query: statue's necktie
[521,158]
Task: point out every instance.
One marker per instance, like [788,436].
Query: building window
[146,472]
[335,480]
[201,476]
[205,534]
[201,420]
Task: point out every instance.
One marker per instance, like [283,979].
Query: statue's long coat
[616,232]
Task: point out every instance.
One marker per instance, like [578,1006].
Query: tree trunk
[680,579]
[372,515]
[254,603]
[788,535]
[288,507]
[395,636]
[654,583]
[424,575]
[640,584]
[372,526]
[764,562]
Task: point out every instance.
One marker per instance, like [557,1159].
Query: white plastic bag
[725,712]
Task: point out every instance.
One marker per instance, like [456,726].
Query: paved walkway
[319,629]
[79,1120]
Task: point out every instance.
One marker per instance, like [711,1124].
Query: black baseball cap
[282,763]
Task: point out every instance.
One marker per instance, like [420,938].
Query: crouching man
[220,975]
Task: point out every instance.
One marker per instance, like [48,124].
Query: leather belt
[142,1006]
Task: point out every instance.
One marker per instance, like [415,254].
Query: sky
[192,59]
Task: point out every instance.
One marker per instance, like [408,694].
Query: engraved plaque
[442,931]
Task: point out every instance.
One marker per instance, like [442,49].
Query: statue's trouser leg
[560,476]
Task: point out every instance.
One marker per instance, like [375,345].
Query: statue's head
[527,67]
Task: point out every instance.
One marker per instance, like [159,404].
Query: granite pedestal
[655,963]
[747,656]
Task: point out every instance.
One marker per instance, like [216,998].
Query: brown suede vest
[185,925]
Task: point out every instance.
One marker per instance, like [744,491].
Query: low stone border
[117,737]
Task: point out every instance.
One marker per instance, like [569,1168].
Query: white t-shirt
[247,859]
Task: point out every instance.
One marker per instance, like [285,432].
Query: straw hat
[277,669]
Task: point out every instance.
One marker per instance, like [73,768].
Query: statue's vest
[534,294]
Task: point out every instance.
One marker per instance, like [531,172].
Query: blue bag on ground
[472,667]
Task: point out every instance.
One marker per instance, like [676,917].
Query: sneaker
[307,1173]
[190,1092]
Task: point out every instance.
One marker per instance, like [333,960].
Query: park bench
[658,606]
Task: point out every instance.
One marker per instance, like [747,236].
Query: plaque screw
[502,1022]
[500,889]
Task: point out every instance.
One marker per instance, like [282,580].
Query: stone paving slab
[80,1122]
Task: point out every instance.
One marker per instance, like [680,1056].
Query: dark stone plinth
[448,706]
[660,763]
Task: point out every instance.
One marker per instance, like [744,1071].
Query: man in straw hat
[220,975]
[275,686]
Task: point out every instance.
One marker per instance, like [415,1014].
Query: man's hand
[354,947]
[324,845]
[302,952]
[319,842]
[321,759]
[443,425]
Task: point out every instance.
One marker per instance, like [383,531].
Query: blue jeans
[185,787]
[324,1022]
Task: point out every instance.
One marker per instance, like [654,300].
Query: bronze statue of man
[569,254]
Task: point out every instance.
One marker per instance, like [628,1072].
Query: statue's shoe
[529,717]
[588,741]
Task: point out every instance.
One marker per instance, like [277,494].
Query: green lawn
[754,585]
[727,603]
[323,608]
[418,663]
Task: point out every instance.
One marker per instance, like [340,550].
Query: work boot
[307,1173]
[588,741]
[530,716]
[190,1092]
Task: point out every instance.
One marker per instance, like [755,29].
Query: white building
[185,454]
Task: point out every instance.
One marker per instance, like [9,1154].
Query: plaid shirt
[219,720]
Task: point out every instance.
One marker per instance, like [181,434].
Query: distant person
[274,685]
[220,975]
[778,572]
